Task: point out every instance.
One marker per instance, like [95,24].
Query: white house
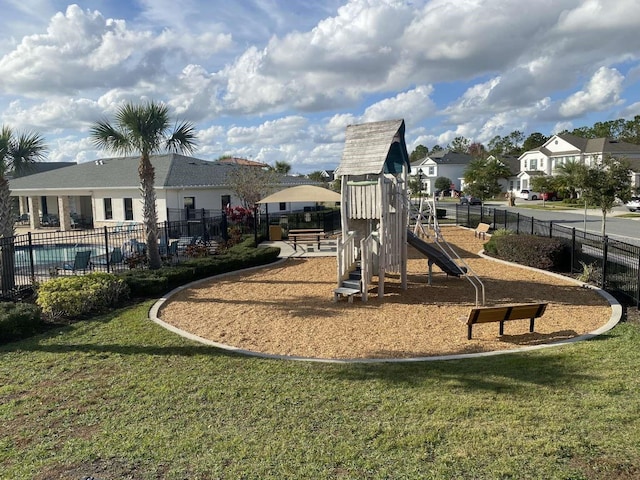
[563,148]
[442,163]
[107,191]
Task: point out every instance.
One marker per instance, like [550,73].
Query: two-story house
[441,163]
[563,148]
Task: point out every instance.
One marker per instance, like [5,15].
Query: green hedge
[19,320]
[531,250]
[77,295]
[152,283]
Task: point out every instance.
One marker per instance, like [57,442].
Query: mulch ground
[288,309]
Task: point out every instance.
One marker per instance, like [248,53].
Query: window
[128,209]
[534,164]
[226,201]
[190,203]
[432,170]
[283,205]
[108,209]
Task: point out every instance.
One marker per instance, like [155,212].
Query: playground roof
[374,148]
[303,193]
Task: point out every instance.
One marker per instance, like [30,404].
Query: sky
[279,80]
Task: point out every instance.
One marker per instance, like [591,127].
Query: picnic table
[306,235]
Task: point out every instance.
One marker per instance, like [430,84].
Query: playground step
[348,292]
[355,275]
[353,284]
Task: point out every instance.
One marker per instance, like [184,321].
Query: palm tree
[144,129]
[16,153]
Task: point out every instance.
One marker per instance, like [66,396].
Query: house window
[190,203]
[525,165]
[432,171]
[283,205]
[542,163]
[128,209]
[534,164]
[226,201]
[108,209]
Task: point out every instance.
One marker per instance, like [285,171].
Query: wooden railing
[368,248]
[347,254]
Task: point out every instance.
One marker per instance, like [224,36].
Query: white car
[529,195]
[633,204]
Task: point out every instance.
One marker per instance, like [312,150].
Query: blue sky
[276,80]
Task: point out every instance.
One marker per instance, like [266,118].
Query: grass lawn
[119,397]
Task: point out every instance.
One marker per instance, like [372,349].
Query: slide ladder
[423,223]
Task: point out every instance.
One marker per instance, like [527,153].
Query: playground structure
[377,214]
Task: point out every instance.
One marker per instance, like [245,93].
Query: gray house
[105,192]
[442,163]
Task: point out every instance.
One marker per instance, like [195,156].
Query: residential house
[441,163]
[107,191]
[563,148]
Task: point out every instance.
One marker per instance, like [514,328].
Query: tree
[481,177]
[544,184]
[570,178]
[317,176]
[477,150]
[144,129]
[17,152]
[443,183]
[605,182]
[418,153]
[436,148]
[282,167]
[459,144]
[250,184]
[534,140]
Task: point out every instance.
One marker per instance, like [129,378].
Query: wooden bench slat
[505,313]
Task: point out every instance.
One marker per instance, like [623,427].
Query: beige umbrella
[303,193]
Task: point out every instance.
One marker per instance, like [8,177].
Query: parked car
[469,200]
[529,195]
[633,204]
[550,196]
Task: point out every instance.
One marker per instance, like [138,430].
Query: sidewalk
[327,248]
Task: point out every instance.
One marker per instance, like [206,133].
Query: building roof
[303,193]
[39,167]
[449,157]
[369,146]
[171,170]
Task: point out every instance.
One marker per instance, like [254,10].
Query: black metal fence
[610,264]
[33,257]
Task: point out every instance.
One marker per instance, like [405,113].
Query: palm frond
[183,139]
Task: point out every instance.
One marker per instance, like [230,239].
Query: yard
[119,397]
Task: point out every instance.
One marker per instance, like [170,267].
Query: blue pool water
[53,254]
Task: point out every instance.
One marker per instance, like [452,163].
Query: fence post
[638,286]
[106,248]
[573,247]
[550,228]
[165,227]
[605,250]
[532,225]
[32,263]
[518,223]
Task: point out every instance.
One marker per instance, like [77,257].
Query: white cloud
[602,91]
[414,106]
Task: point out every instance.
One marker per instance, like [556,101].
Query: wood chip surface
[288,309]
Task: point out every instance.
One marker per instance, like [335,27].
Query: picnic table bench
[504,313]
[306,235]
[481,230]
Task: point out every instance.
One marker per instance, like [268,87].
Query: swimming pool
[53,255]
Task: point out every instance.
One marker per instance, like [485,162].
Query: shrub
[531,250]
[152,283]
[70,297]
[491,246]
[19,320]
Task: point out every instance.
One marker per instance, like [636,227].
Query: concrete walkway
[327,248]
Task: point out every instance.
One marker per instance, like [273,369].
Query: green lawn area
[119,397]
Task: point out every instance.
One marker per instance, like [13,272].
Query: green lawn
[119,397]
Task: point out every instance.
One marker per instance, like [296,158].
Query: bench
[481,230]
[306,235]
[505,313]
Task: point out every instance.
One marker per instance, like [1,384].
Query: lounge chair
[114,258]
[80,262]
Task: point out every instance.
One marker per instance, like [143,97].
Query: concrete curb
[616,315]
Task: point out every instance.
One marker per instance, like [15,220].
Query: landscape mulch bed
[288,309]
